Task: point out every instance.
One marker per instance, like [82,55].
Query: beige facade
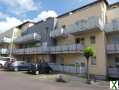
[107,15]
[99,10]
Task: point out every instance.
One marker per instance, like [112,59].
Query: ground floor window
[93,61]
[117,61]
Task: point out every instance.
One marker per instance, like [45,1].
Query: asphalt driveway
[22,81]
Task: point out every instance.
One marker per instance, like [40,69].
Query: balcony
[112,48]
[112,27]
[82,25]
[5,40]
[34,50]
[28,38]
[75,48]
[4,51]
[37,50]
[18,51]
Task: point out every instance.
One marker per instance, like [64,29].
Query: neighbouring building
[63,39]
[7,37]
[34,42]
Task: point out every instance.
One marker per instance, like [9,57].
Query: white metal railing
[113,26]
[28,38]
[68,68]
[74,48]
[5,40]
[4,51]
[81,25]
[18,51]
[112,48]
[113,72]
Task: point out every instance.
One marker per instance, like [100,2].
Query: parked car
[18,66]
[40,68]
[3,60]
[6,66]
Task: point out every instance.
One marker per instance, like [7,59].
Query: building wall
[112,14]
[98,9]
[26,26]
[99,49]
[94,10]
[43,28]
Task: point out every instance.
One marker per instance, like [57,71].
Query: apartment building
[63,39]
[33,44]
[7,38]
[94,25]
[80,28]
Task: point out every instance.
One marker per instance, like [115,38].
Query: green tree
[88,52]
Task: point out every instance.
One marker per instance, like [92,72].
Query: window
[77,40]
[93,61]
[117,61]
[80,40]
[92,40]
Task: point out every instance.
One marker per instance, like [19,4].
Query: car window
[22,62]
[4,59]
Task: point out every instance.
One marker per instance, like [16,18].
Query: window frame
[93,39]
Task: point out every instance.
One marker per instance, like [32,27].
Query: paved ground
[22,81]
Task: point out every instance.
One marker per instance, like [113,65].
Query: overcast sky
[14,12]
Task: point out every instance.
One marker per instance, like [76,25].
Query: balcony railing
[28,38]
[4,51]
[75,48]
[113,26]
[112,48]
[5,40]
[113,72]
[79,26]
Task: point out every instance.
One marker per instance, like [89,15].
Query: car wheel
[0,65]
[36,72]
[15,69]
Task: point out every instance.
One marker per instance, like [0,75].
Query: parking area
[23,81]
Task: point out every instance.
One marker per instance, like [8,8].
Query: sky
[15,12]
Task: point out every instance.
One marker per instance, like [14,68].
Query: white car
[3,60]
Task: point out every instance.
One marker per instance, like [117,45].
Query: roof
[114,5]
[44,20]
[90,4]
[19,26]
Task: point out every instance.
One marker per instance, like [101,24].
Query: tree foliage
[88,52]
